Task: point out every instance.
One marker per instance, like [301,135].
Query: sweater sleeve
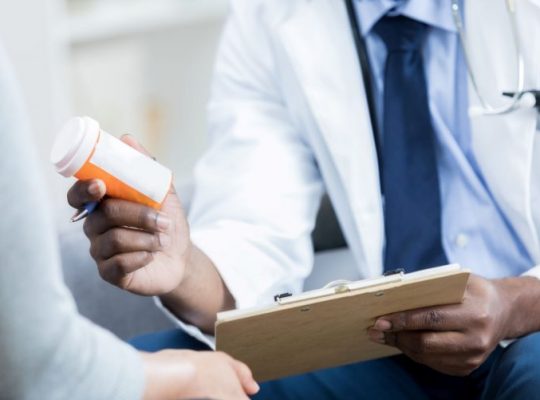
[47,350]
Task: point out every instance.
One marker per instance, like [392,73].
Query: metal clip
[278,297]
[532,96]
[397,271]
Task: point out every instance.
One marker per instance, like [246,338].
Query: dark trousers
[511,373]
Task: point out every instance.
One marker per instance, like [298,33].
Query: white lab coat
[288,112]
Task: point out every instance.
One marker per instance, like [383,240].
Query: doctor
[423,168]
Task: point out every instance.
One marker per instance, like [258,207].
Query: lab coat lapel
[503,145]
[318,42]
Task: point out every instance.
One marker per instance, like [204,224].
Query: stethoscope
[520,98]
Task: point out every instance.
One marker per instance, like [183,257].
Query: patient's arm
[47,350]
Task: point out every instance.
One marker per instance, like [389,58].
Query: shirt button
[462,240]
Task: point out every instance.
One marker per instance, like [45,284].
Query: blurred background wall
[137,66]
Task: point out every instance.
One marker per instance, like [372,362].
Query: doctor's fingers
[124,240]
[441,318]
[451,353]
[117,268]
[83,192]
[245,376]
[427,342]
[113,213]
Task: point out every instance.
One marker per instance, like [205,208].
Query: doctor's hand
[457,339]
[136,248]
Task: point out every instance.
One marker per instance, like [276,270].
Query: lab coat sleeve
[257,188]
[534,272]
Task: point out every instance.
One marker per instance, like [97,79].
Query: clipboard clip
[339,287]
[278,297]
[397,271]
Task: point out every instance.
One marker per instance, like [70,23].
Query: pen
[85,211]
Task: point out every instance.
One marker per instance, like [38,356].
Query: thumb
[131,141]
[246,378]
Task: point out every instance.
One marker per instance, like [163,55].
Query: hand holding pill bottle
[83,150]
[139,234]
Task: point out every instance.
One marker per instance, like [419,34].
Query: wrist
[201,294]
[189,267]
[185,265]
[167,376]
[518,298]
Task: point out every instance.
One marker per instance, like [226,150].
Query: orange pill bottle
[85,151]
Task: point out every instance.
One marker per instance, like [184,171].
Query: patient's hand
[135,247]
[174,374]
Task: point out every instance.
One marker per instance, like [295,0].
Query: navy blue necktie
[412,205]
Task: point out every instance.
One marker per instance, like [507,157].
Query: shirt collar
[436,13]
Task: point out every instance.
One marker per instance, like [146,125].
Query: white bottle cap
[74,144]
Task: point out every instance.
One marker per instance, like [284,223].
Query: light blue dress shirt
[475,233]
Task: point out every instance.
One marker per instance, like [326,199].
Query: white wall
[153,82]
[179,89]
[154,85]
[31,32]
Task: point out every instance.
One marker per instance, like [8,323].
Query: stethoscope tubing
[485,107]
[519,98]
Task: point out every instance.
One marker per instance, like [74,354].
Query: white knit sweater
[47,350]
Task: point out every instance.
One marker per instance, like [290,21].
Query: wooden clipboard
[328,327]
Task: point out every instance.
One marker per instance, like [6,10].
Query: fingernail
[256,387]
[95,188]
[382,325]
[163,222]
[376,336]
[164,240]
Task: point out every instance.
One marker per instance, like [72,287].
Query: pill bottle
[85,151]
